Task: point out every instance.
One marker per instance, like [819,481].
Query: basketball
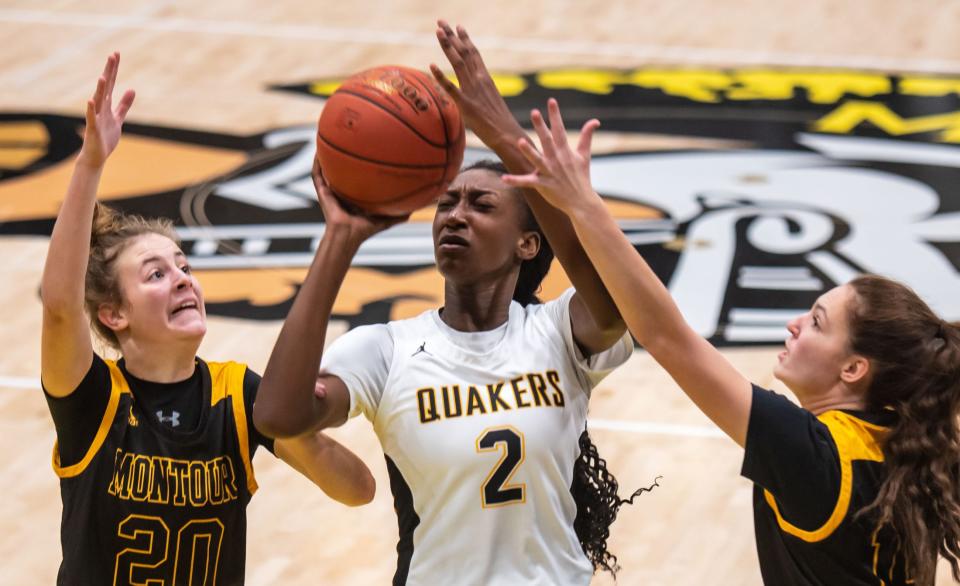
[390,140]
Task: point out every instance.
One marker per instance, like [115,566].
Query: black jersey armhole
[77,417]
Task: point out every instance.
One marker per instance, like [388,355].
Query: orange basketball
[390,140]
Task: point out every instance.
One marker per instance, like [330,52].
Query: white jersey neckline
[478,343]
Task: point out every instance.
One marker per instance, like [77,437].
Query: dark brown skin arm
[287,405]
[596,321]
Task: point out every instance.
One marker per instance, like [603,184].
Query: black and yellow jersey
[146,501]
[812,475]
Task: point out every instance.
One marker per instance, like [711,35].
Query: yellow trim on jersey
[219,389]
[118,386]
[856,439]
[226,379]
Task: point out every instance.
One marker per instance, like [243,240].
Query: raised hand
[561,174]
[483,108]
[104,121]
[341,216]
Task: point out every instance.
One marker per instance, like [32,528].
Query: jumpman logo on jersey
[423,349]
[173,420]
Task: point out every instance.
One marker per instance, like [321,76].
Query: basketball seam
[443,120]
[399,119]
[376,161]
[462,128]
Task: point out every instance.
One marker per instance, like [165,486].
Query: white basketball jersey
[481,433]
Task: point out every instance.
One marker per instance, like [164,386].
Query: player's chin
[195,328]
[453,263]
[782,373]
[778,371]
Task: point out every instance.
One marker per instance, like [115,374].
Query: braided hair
[595,489]
[596,492]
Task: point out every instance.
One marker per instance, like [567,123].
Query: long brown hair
[915,363]
[109,235]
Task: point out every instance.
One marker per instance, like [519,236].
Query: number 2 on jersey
[496,490]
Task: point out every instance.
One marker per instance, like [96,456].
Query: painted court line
[66,53]
[651,428]
[19,382]
[640,53]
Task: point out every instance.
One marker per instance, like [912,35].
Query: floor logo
[800,180]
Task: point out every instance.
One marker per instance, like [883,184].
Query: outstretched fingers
[443,27]
[586,138]
[104,121]
[445,83]
[468,50]
[558,132]
[103,95]
[450,45]
[98,94]
[107,70]
[529,180]
[557,129]
[124,106]
[459,49]
[91,115]
[532,155]
[547,142]
[110,73]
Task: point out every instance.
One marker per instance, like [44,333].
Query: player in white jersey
[480,406]
[480,431]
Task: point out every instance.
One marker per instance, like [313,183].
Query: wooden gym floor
[207,67]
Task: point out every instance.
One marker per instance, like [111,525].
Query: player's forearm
[286,405]
[341,474]
[578,267]
[654,319]
[62,284]
[643,301]
[332,467]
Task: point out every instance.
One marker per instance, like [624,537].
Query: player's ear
[528,246]
[856,370]
[112,316]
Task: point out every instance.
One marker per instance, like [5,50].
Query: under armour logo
[172,421]
[422,348]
